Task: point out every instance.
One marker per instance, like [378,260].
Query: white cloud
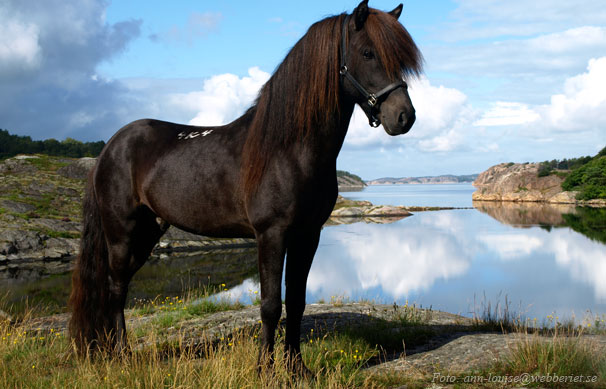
[223,98]
[477,19]
[569,40]
[504,113]
[522,69]
[19,46]
[48,57]
[438,108]
[582,103]
[446,141]
[580,106]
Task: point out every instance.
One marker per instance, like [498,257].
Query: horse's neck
[331,135]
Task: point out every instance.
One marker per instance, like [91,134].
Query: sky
[504,81]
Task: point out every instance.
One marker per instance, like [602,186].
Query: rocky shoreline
[42,246]
[520,182]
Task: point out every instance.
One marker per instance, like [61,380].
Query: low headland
[442,179]
[579,181]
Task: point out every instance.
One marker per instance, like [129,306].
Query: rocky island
[522,182]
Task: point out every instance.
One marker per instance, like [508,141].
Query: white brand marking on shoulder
[192,135]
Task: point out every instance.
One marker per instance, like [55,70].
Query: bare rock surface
[520,182]
[78,169]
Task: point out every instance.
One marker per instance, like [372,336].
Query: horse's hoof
[298,369]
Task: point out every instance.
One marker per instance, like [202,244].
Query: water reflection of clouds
[245,292]
[412,255]
[398,259]
[446,257]
[582,258]
[511,246]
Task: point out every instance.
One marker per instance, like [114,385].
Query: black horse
[271,174]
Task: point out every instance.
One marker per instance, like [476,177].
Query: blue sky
[504,80]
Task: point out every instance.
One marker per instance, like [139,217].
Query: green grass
[45,358]
[48,163]
[566,355]
[338,358]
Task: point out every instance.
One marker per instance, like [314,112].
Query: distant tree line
[548,167]
[11,145]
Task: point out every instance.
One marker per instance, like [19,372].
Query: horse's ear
[396,11]
[361,14]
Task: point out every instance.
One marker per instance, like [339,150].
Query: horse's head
[377,53]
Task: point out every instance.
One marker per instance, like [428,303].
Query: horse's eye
[368,54]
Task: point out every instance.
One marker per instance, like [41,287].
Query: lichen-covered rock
[371,211]
[78,169]
[14,241]
[18,165]
[520,182]
[17,206]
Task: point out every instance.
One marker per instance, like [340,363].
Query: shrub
[589,180]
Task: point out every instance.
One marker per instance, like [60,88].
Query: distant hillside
[443,179]
[348,181]
[11,145]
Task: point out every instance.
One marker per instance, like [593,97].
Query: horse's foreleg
[300,254]
[271,263]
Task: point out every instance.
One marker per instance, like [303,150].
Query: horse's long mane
[303,92]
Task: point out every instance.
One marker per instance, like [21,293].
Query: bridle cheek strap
[373,100]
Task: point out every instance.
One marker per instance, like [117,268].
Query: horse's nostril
[402,118]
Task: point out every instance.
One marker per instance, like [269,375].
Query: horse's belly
[201,206]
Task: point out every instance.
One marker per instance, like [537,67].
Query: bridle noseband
[373,100]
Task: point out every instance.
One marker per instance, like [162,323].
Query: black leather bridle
[373,100]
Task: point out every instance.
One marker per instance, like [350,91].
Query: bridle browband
[373,100]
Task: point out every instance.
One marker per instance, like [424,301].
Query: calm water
[545,259]
[455,260]
[425,195]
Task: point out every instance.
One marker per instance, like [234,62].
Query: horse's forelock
[394,46]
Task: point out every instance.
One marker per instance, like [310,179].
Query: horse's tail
[89,324]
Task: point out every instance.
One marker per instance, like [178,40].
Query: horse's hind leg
[128,251]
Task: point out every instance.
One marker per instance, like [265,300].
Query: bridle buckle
[372,100]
